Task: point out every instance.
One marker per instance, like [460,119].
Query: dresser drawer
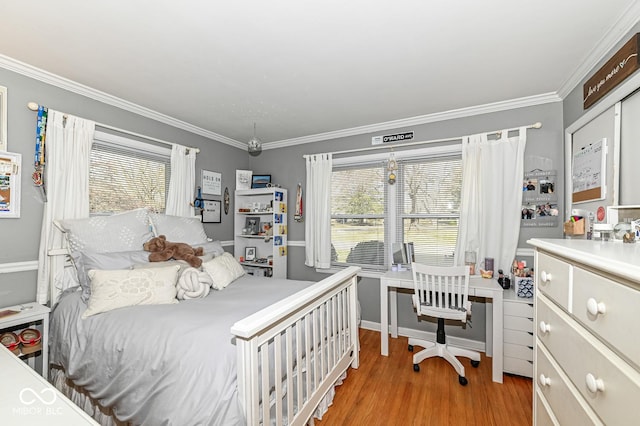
[518,309]
[542,414]
[518,366]
[591,291]
[553,278]
[518,351]
[567,405]
[518,323]
[517,337]
[585,359]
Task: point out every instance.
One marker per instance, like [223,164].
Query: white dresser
[587,347]
[518,334]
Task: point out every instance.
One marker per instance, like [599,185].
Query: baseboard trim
[460,342]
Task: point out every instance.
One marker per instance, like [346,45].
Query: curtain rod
[371,148]
[33,106]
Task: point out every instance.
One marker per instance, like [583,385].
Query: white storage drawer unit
[587,357]
[518,334]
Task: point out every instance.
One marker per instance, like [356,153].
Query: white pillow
[179,229]
[223,270]
[119,288]
[126,231]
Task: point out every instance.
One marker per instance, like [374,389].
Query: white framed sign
[10,164]
[211,182]
[211,211]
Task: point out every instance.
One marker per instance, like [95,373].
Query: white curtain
[491,197]
[182,183]
[317,225]
[69,141]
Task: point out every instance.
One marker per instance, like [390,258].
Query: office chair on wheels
[442,292]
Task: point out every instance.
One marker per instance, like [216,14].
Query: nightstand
[30,315]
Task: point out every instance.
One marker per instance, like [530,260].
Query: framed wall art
[211,211]
[211,182]
[10,165]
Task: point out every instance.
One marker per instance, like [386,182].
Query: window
[125,174]
[358,210]
[423,207]
[429,208]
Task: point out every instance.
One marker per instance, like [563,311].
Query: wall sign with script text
[624,63]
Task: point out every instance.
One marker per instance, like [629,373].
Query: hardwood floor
[386,391]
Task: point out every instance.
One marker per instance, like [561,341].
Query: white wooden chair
[442,292]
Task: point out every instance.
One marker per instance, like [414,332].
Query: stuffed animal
[162,250]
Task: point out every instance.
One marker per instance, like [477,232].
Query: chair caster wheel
[410,348]
[463,380]
[416,367]
[475,364]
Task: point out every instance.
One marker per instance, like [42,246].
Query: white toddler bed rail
[292,352]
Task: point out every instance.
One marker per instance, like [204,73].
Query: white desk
[480,287]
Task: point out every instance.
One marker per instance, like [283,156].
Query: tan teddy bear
[162,250]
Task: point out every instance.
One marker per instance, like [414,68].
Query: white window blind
[423,207]
[429,208]
[358,210]
[124,176]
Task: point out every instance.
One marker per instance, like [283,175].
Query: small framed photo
[211,210]
[260,181]
[252,225]
[249,254]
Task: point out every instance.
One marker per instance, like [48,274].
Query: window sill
[364,273]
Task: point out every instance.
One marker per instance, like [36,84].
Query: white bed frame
[307,341]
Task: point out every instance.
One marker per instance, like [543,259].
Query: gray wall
[23,234]
[287,168]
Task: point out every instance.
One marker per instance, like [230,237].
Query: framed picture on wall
[10,184]
[211,182]
[211,211]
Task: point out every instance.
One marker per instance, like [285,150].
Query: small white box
[524,287]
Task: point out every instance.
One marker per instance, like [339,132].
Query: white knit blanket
[193,284]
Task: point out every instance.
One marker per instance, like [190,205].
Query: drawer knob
[594,385]
[595,308]
[544,380]
[545,276]
[544,327]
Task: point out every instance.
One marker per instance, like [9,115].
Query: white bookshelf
[262,206]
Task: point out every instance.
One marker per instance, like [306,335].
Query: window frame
[136,148]
[393,215]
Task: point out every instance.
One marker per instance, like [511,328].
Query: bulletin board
[588,174]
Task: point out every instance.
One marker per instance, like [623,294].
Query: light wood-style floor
[386,391]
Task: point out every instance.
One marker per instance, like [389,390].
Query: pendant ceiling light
[254,146]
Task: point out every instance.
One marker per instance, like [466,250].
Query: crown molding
[72,86]
[619,29]
[544,98]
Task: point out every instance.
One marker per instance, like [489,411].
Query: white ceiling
[311,70]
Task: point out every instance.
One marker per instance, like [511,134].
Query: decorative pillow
[107,234]
[223,270]
[119,288]
[87,260]
[179,229]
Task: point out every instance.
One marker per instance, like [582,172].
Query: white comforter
[162,364]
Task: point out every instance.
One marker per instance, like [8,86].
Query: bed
[258,351]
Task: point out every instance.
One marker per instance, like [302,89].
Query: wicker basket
[30,338]
[11,342]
